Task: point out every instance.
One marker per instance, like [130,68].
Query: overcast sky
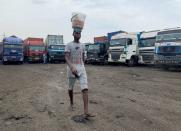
[38,18]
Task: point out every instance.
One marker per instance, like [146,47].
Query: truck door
[130,48]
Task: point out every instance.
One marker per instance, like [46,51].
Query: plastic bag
[78,20]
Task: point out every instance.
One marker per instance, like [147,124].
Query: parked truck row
[160,47]
[14,49]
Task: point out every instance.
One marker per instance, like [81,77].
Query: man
[74,55]
[44,58]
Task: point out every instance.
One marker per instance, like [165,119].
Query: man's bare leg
[70,92]
[85,100]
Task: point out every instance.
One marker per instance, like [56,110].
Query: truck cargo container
[12,50]
[34,48]
[101,39]
[55,48]
[54,40]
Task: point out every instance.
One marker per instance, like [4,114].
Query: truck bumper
[13,58]
[57,58]
[117,61]
[35,59]
[168,60]
[93,60]
[141,61]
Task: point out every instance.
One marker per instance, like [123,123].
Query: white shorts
[82,77]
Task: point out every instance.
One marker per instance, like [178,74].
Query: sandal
[89,115]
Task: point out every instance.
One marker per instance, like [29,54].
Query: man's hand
[73,69]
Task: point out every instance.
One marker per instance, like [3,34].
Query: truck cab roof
[149,34]
[12,40]
[125,35]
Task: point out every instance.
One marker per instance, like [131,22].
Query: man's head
[77,34]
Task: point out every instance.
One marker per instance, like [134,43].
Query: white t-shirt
[76,51]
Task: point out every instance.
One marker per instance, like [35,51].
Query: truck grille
[147,55]
[92,55]
[167,49]
[148,51]
[58,56]
[59,53]
[115,54]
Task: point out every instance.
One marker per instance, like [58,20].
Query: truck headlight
[21,59]
[5,59]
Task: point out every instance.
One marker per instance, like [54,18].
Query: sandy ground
[33,97]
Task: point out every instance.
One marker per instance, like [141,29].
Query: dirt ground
[33,97]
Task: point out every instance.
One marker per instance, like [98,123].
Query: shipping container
[110,34]
[33,41]
[101,39]
[54,40]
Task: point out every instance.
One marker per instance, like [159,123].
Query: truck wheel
[4,62]
[131,62]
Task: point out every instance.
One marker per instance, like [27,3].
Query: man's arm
[71,66]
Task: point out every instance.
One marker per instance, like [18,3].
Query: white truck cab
[147,47]
[124,49]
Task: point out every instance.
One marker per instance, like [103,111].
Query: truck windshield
[169,37]
[147,42]
[86,47]
[93,47]
[120,42]
[13,46]
[57,47]
[35,48]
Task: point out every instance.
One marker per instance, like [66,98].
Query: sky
[38,18]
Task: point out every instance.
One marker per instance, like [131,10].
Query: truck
[86,49]
[56,53]
[55,48]
[97,52]
[34,49]
[124,49]
[12,50]
[147,47]
[1,50]
[168,48]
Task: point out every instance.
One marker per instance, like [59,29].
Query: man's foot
[87,115]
